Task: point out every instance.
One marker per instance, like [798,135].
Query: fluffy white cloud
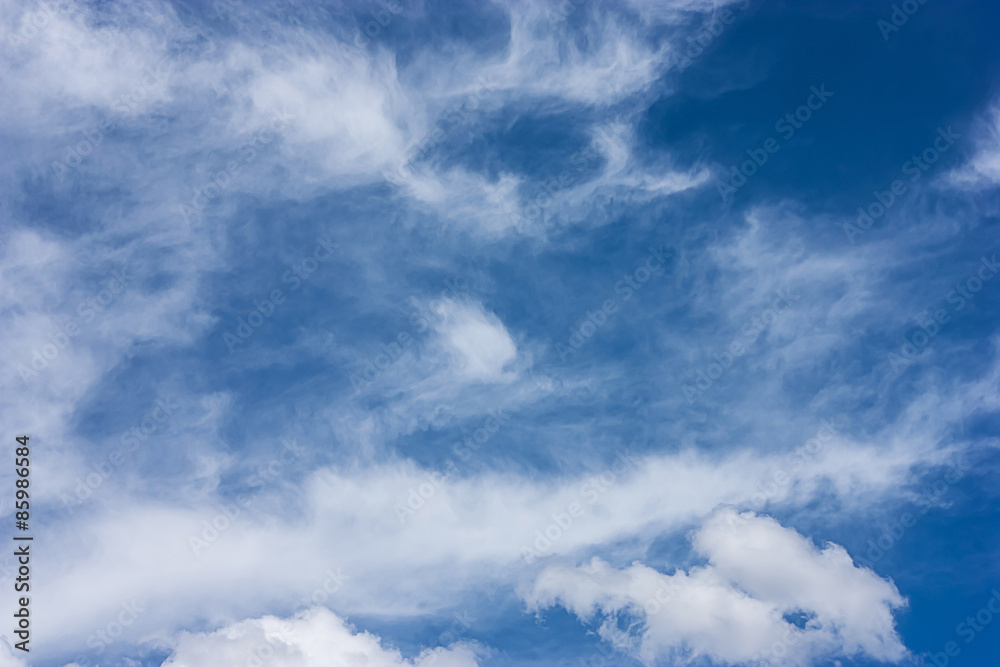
[741,606]
[476,341]
[313,638]
[460,530]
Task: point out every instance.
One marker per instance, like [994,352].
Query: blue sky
[489,334]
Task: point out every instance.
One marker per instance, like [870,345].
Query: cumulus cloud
[466,528]
[313,638]
[767,594]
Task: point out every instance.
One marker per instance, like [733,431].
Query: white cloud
[354,115]
[468,529]
[464,364]
[678,10]
[76,307]
[348,113]
[476,341]
[350,116]
[7,657]
[313,638]
[620,177]
[81,57]
[733,609]
[983,168]
[468,199]
[546,58]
